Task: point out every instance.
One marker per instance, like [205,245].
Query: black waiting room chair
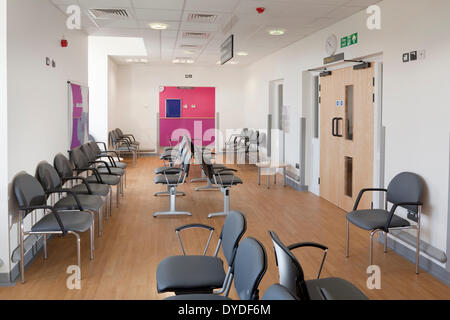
[201,273]
[172,177]
[248,270]
[278,292]
[122,145]
[67,174]
[53,185]
[225,179]
[405,190]
[292,276]
[82,165]
[30,197]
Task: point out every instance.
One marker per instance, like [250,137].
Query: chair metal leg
[45,247]
[22,254]
[372,234]
[226,205]
[100,222]
[105,205]
[117,195]
[418,240]
[347,242]
[78,251]
[91,238]
[110,201]
[385,241]
[172,211]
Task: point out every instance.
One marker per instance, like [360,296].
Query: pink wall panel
[203,97]
[195,120]
[195,127]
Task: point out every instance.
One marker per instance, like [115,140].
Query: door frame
[379,130]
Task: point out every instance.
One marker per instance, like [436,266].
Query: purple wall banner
[78,115]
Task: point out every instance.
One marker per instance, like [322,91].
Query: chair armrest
[173,169]
[83,180]
[225,170]
[191,226]
[394,208]
[68,191]
[101,162]
[313,245]
[30,209]
[358,199]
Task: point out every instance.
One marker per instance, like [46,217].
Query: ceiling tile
[159,4]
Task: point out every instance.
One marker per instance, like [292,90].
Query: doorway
[347,135]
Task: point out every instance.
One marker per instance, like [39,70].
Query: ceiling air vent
[202,17]
[109,13]
[196,35]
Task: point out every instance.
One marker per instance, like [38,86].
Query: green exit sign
[349,40]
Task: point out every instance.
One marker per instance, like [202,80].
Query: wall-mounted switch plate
[406,57]
[413,56]
[47,61]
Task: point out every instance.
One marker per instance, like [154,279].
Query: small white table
[271,166]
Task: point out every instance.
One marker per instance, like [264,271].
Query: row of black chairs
[177,161]
[202,277]
[70,193]
[124,143]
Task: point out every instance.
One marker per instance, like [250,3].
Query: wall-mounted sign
[227,50]
[349,40]
[335,58]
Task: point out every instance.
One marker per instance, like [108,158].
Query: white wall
[113,89]
[38,94]
[415,102]
[137,98]
[99,50]
[4,240]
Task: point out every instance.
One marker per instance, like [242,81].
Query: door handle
[333,127]
[337,127]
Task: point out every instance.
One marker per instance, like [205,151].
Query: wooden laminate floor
[134,242]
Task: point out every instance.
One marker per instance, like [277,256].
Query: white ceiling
[299,18]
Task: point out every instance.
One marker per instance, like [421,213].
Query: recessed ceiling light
[277,32]
[158,26]
[219,62]
[242,53]
[189,52]
[183,60]
[234,62]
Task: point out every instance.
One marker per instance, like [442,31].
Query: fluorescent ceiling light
[234,62]
[158,26]
[242,53]
[277,32]
[183,60]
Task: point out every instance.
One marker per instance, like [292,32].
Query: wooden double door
[347,135]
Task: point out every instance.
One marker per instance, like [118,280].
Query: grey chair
[130,137]
[64,168]
[172,177]
[405,190]
[248,270]
[102,166]
[122,146]
[81,164]
[53,185]
[201,273]
[292,276]
[278,292]
[30,197]
[225,179]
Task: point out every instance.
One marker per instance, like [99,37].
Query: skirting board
[425,264]
[10,279]
[294,184]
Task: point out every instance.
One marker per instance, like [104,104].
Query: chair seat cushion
[161,169]
[198,297]
[335,289]
[76,221]
[172,178]
[183,273]
[375,219]
[97,189]
[114,171]
[88,202]
[107,179]
[226,179]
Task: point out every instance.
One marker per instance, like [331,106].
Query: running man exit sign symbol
[349,40]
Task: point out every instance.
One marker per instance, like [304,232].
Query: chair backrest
[119,132]
[289,269]
[405,187]
[185,157]
[90,155]
[249,268]
[78,158]
[48,176]
[28,191]
[278,292]
[63,166]
[233,229]
[208,168]
[95,148]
